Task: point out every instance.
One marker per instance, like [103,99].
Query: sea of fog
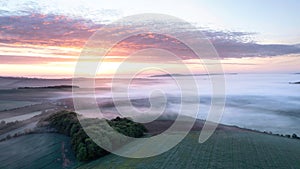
[265,102]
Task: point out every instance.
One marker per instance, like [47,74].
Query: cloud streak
[49,30]
[31,60]
[58,30]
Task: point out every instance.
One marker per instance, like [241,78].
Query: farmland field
[37,151]
[225,149]
[6,105]
[21,117]
[228,148]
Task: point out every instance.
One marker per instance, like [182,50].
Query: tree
[295,136]
[2,122]
[82,153]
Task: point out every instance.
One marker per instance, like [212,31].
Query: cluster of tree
[3,123]
[25,132]
[8,126]
[127,127]
[84,147]
[294,136]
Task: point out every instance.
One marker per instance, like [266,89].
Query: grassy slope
[36,151]
[226,149]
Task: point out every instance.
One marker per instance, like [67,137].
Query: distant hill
[176,75]
[30,78]
[294,82]
[51,87]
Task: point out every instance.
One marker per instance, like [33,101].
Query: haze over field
[265,102]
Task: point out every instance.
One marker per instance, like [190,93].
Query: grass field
[22,117]
[226,150]
[6,105]
[36,151]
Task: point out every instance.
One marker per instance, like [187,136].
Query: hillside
[37,151]
[227,149]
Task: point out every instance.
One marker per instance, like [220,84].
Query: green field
[225,149]
[6,105]
[37,151]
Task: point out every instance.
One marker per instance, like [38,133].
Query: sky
[45,38]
